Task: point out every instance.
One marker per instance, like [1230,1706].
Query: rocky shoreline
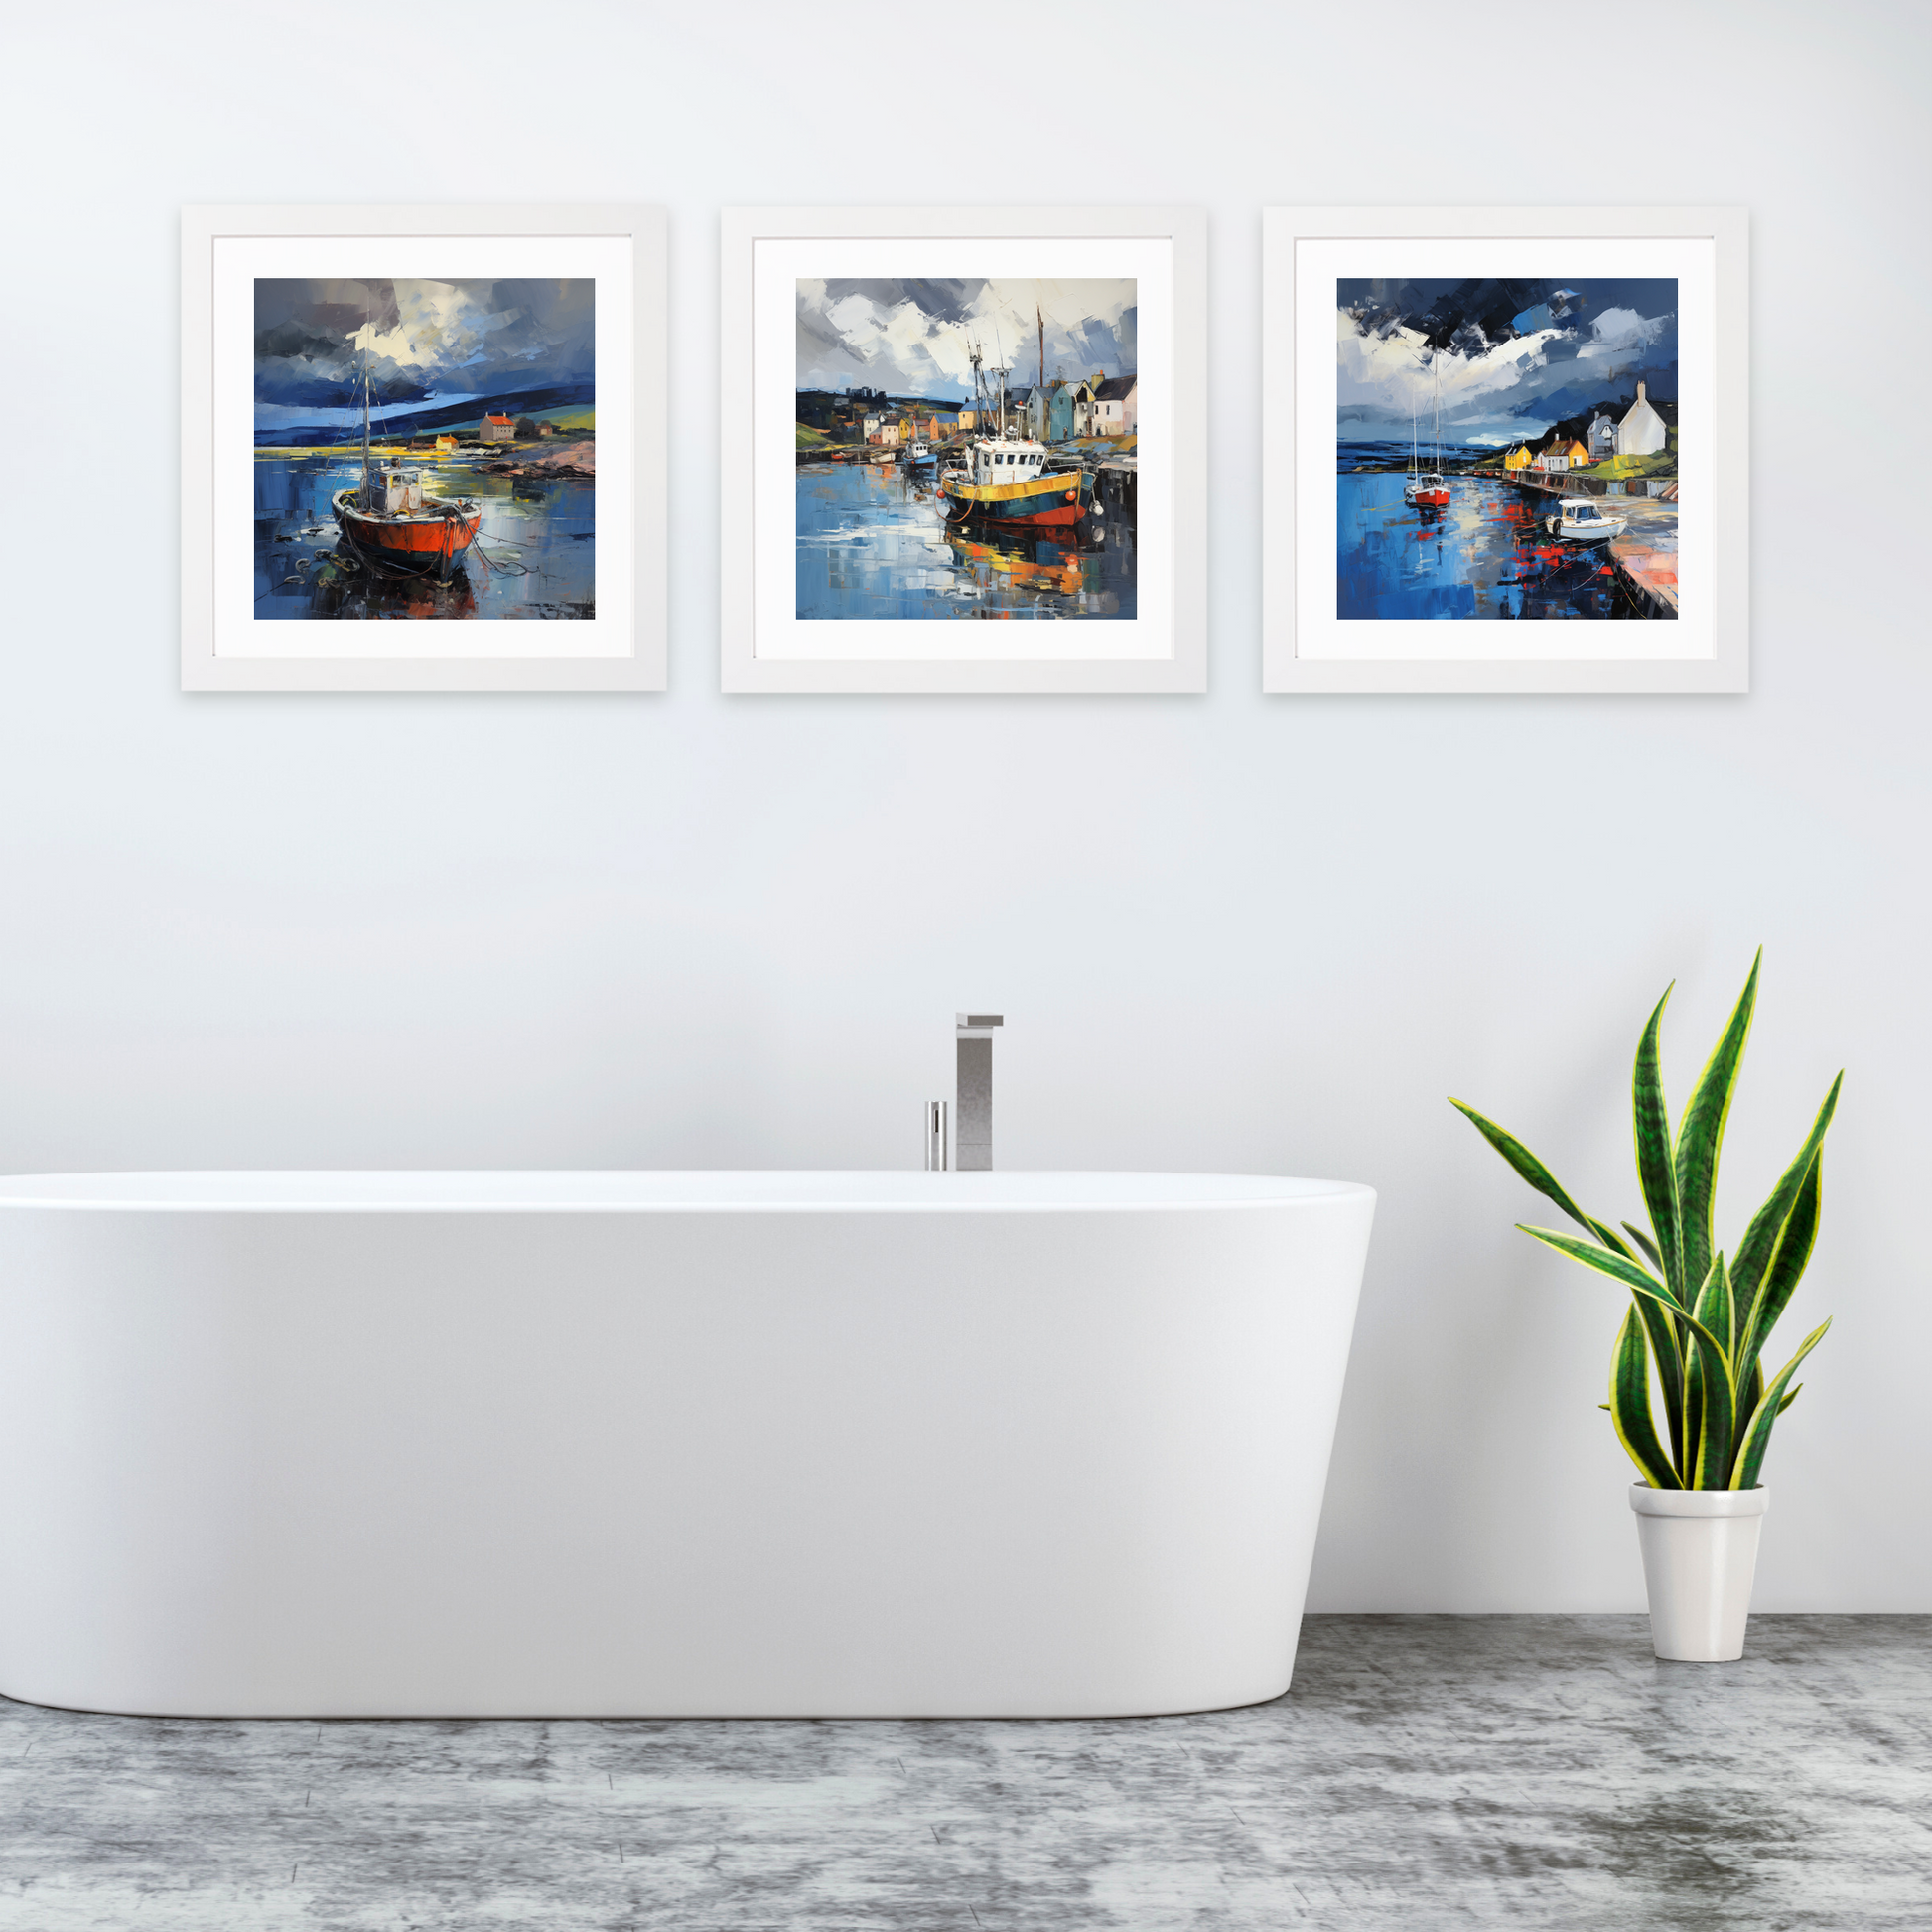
[574,459]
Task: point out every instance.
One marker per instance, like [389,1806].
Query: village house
[968,419]
[546,429]
[1049,412]
[1085,412]
[1642,432]
[1517,458]
[444,444]
[497,428]
[1114,406]
[1603,437]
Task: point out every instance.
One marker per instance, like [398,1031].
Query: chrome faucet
[973,1103]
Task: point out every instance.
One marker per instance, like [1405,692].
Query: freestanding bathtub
[721,1444]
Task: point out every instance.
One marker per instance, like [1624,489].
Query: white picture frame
[1309,646]
[621,645]
[765,648]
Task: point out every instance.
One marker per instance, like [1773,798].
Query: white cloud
[1618,329]
[438,326]
[1396,374]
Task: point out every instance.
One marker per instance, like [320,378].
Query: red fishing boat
[394,524]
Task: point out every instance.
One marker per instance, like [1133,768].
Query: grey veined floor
[1423,1772]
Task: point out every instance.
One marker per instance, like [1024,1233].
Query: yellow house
[1576,453]
[1517,458]
[967,419]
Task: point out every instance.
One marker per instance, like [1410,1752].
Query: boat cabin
[1008,460]
[1580,510]
[395,491]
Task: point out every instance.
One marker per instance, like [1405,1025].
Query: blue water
[1484,556]
[539,545]
[874,542]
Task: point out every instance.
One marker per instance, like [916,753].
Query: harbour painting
[1506,449]
[425,448]
[966,448]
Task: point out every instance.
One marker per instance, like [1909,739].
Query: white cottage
[1115,408]
[1642,432]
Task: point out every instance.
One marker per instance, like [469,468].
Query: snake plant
[1700,1322]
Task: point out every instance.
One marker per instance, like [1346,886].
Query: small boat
[1427,489]
[1577,519]
[390,519]
[919,453]
[392,522]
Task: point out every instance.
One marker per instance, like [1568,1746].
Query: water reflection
[535,556]
[874,541]
[1487,555]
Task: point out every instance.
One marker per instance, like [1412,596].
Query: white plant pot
[1699,1552]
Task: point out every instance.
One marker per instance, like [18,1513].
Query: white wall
[1227,932]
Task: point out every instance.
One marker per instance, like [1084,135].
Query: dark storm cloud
[423,338]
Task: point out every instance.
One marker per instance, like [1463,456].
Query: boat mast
[367,499]
[1041,319]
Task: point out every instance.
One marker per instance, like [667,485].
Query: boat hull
[1043,503]
[413,542]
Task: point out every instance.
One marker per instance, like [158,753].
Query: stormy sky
[1512,356]
[427,342]
[913,337]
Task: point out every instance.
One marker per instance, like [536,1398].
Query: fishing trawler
[1011,479]
[394,523]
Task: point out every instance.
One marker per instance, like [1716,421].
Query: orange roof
[496,419]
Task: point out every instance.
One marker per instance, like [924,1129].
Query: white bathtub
[723,1444]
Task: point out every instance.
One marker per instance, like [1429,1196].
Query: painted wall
[1227,932]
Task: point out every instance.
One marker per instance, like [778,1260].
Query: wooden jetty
[1647,574]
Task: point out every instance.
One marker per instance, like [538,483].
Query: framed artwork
[964,450]
[1506,449]
[453,416]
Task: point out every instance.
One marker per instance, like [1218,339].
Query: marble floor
[1423,1774]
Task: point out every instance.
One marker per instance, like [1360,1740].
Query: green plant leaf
[1716,1305]
[1777,1244]
[1790,1396]
[1611,1240]
[1629,1405]
[1755,1436]
[1700,1135]
[1703,1351]
[1656,1168]
[1644,1242]
[1527,1166]
[1619,1268]
[1709,1385]
[1667,1350]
